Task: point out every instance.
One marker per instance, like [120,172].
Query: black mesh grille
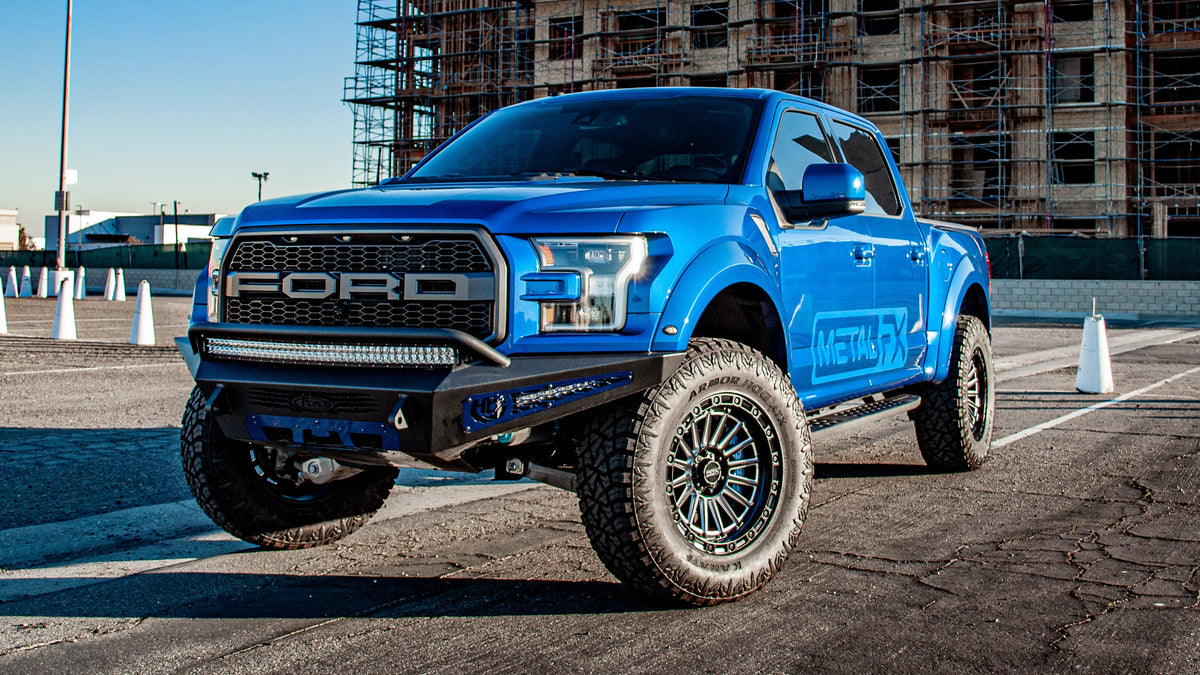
[474,318]
[304,401]
[437,255]
[419,252]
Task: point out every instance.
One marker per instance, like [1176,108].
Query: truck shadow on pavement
[823,470]
[202,595]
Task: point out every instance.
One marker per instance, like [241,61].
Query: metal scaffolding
[1052,116]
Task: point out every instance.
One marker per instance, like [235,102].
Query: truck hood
[571,204]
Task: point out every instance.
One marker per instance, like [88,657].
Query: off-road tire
[221,475]
[636,520]
[955,419]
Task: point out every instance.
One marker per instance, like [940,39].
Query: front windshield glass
[702,139]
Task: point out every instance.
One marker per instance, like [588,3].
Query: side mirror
[828,191]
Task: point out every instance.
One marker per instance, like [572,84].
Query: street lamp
[260,176]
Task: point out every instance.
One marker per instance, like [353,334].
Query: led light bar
[331,354]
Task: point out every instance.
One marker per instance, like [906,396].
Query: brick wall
[1114,299]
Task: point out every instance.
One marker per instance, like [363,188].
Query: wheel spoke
[734,520]
[734,450]
[687,491]
[742,480]
[736,496]
[739,463]
[691,518]
[682,479]
[696,445]
[710,440]
[729,437]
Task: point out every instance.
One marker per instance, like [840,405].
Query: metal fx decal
[848,344]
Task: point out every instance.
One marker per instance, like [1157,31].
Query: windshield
[702,139]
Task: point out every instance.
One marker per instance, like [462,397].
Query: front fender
[716,268]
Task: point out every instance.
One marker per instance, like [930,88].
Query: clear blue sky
[174,101]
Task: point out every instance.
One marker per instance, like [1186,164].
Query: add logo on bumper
[848,344]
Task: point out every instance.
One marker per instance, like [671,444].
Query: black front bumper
[431,415]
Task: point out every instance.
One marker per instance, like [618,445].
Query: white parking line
[1013,438]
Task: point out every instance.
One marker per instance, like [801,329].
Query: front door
[827,274]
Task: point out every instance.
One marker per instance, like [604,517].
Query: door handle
[863,253]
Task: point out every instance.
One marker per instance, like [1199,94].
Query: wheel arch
[967,296]
[738,301]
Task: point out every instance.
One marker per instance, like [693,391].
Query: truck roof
[767,95]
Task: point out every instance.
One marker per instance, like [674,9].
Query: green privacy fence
[137,256]
[1024,256]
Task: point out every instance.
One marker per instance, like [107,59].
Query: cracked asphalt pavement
[1076,548]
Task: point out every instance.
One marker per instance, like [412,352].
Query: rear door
[901,263]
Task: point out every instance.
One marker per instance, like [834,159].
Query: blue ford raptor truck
[656,298]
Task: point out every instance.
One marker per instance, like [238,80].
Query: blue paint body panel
[862,303]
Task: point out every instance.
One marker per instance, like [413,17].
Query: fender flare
[734,263]
[965,277]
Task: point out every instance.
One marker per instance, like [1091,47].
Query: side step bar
[845,417]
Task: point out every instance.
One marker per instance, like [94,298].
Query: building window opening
[879,90]
[1063,11]
[1176,81]
[638,31]
[975,172]
[879,17]
[710,25]
[1073,157]
[807,82]
[1176,162]
[1073,79]
[565,41]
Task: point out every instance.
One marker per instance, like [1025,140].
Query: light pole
[61,198]
[260,176]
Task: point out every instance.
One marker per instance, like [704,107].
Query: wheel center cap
[710,473]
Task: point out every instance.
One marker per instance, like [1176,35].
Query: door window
[862,151]
[799,144]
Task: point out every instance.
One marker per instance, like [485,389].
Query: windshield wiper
[598,173]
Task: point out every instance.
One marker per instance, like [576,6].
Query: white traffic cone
[110,285]
[43,287]
[120,285]
[64,314]
[10,289]
[81,284]
[143,318]
[1095,366]
[26,283]
[3,318]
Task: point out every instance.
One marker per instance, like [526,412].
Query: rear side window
[862,151]
[799,144]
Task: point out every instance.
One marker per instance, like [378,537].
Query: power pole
[176,235]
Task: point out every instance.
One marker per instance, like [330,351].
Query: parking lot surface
[1075,548]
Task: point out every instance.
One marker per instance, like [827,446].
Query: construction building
[1069,116]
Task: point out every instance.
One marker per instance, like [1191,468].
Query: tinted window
[862,152]
[800,144]
[687,138]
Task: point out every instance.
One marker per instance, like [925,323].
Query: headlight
[214,278]
[604,266]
